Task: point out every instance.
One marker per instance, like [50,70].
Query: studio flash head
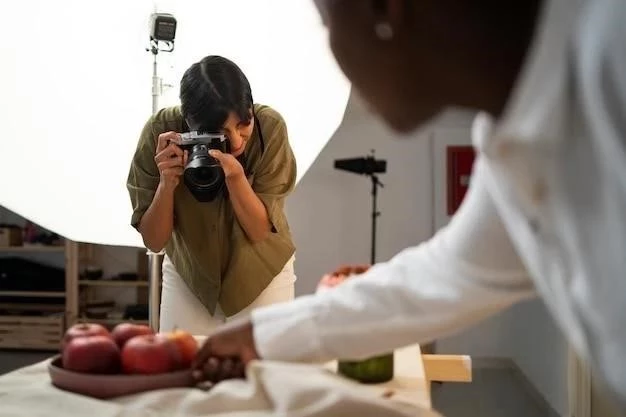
[162,27]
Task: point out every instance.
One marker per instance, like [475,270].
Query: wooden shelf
[111,322]
[34,307]
[37,320]
[19,329]
[113,283]
[20,332]
[50,294]
[32,249]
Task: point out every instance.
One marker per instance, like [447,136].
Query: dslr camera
[203,175]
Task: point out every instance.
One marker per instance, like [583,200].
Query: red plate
[109,386]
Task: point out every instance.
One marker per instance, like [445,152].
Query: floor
[14,359]
[493,392]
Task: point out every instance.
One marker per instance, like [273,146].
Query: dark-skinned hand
[226,353]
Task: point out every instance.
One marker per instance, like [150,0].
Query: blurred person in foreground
[544,215]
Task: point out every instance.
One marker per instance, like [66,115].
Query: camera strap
[257,125]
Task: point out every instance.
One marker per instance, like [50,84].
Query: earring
[383,30]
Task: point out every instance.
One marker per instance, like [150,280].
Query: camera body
[212,140]
[203,175]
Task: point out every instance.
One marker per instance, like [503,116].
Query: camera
[203,175]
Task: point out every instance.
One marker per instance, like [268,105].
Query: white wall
[330,210]
[329,213]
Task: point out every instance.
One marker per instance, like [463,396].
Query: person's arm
[154,175]
[157,222]
[465,273]
[249,209]
[259,207]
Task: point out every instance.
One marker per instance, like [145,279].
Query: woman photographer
[229,255]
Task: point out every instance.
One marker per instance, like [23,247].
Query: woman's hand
[170,159]
[231,166]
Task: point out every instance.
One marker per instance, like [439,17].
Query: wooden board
[448,368]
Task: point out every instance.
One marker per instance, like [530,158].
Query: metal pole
[374,216]
[154,259]
[156,82]
[154,288]
[375,213]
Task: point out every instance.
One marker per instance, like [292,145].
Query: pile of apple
[129,349]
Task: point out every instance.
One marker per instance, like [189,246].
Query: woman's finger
[170,163]
[165,139]
[169,152]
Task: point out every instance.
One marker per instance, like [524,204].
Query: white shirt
[545,214]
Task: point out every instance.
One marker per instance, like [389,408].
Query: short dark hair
[211,89]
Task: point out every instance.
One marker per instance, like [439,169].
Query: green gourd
[374,370]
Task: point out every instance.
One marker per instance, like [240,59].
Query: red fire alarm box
[459,162]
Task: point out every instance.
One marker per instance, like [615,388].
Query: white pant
[180,308]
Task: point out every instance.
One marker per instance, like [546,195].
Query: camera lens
[203,172]
[203,176]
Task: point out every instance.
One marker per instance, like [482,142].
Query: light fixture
[370,166]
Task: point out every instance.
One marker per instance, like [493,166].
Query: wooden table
[414,373]
[409,384]
[270,386]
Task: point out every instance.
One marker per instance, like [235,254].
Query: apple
[91,354]
[126,331]
[83,330]
[187,346]
[150,354]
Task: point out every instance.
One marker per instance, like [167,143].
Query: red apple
[150,354]
[126,331]
[92,354]
[83,330]
[187,346]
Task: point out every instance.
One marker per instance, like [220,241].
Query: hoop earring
[383,30]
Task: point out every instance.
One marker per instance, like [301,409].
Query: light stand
[162,32]
[367,166]
[375,213]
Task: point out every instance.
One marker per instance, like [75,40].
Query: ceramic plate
[109,386]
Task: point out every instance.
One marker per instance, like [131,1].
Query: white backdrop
[75,91]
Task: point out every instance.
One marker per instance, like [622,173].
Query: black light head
[364,165]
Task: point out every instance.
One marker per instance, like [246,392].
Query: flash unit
[162,27]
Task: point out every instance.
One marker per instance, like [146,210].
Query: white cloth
[271,389]
[180,308]
[546,211]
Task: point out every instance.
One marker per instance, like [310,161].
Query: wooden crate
[10,236]
[24,332]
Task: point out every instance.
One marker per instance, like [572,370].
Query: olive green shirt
[208,247]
